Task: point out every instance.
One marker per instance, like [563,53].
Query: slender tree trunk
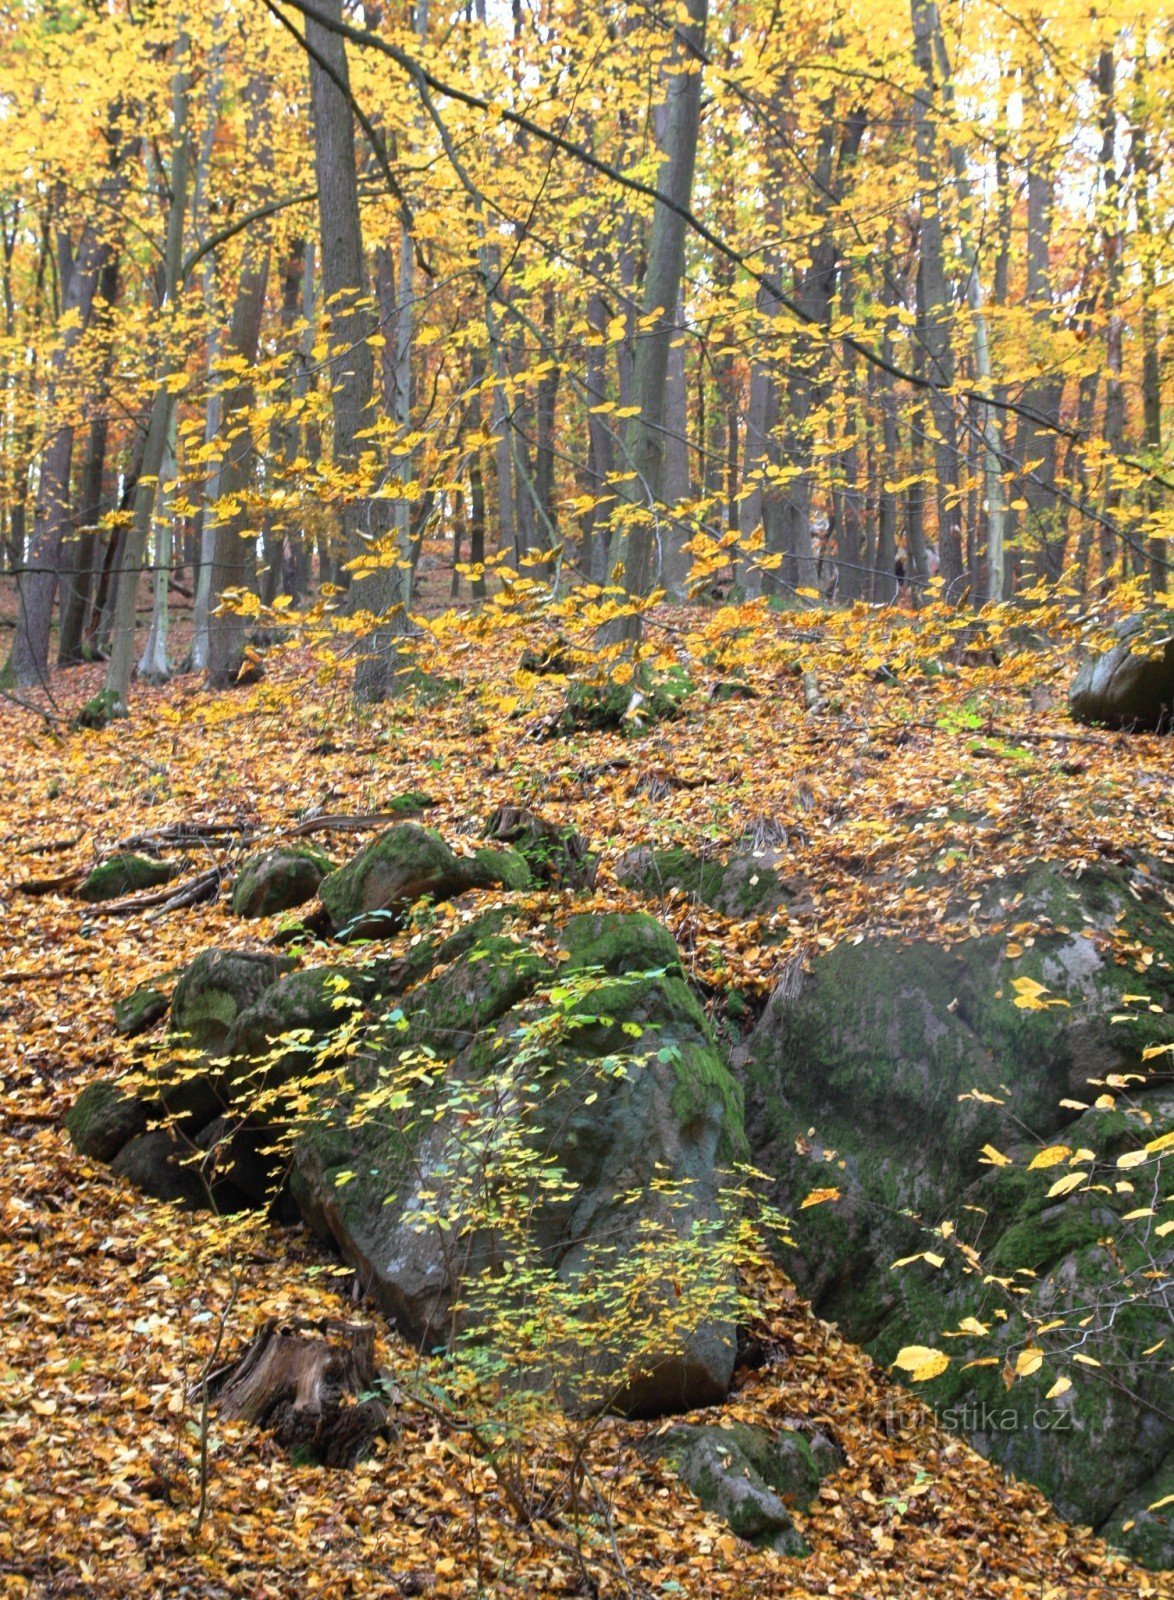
[935,319]
[75,601]
[122,642]
[154,663]
[644,440]
[382,588]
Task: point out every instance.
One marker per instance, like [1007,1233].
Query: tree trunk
[28,664]
[644,440]
[121,662]
[935,320]
[381,588]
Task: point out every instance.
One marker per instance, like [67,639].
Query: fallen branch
[63,883]
[205,886]
[51,847]
[340,822]
[187,833]
[49,974]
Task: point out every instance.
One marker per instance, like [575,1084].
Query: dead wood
[309,1384]
[204,886]
[61,883]
[557,855]
[341,822]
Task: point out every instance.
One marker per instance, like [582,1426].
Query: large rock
[599,1090]
[123,875]
[1128,690]
[749,1476]
[748,884]
[370,895]
[883,1073]
[103,1118]
[278,880]
[629,1104]
[215,989]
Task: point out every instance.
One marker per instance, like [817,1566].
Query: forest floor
[916,742]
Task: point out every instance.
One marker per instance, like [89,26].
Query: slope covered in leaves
[910,745]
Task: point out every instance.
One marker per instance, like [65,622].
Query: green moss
[411,803]
[278,880]
[124,874]
[140,1010]
[619,942]
[485,982]
[103,1118]
[505,867]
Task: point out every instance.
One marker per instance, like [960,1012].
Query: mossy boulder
[370,895]
[140,1010]
[1144,1535]
[103,1118]
[412,803]
[1131,685]
[629,706]
[215,988]
[751,884]
[749,1476]
[626,1099]
[885,1070]
[278,880]
[122,875]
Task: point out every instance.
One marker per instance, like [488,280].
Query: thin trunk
[935,318]
[121,662]
[644,440]
[380,587]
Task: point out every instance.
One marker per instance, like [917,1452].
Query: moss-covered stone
[140,1010]
[370,895]
[122,875]
[213,991]
[747,1475]
[103,1118]
[1146,1536]
[505,867]
[618,942]
[412,803]
[278,880]
[885,1071]
[747,885]
[628,706]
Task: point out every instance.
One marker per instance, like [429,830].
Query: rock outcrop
[1131,685]
[890,1072]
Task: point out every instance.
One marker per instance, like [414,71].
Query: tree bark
[644,440]
[381,589]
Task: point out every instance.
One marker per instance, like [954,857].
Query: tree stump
[556,855]
[309,1384]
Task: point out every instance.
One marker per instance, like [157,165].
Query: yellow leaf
[1061,1386]
[993,1158]
[1049,1157]
[818,1196]
[1066,1184]
[1164,1501]
[920,1362]
[1132,1158]
[1086,1361]
[1028,1361]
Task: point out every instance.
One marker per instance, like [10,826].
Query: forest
[587,855]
